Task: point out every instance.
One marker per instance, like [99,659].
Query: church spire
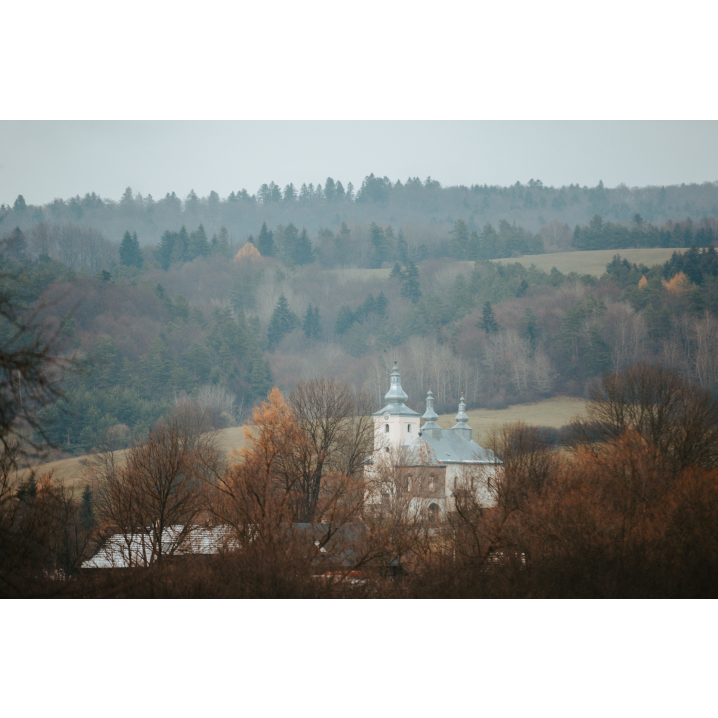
[430,427]
[395,395]
[462,427]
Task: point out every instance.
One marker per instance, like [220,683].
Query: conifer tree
[488,320]
[379,244]
[164,252]
[302,251]
[381,305]
[198,246]
[345,319]
[283,321]
[265,242]
[130,252]
[395,271]
[311,325]
[410,285]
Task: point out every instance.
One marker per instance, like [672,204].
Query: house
[429,467]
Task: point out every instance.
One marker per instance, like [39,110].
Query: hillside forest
[219,300]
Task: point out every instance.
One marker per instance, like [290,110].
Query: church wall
[397,435]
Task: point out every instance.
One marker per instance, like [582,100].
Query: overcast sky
[45,160]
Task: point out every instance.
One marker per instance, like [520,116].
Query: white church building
[432,465]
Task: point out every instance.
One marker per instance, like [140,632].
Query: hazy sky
[45,160]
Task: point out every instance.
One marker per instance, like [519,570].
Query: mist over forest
[164,299]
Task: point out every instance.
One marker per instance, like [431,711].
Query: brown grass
[551,412]
[554,412]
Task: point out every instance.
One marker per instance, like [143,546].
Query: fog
[49,159]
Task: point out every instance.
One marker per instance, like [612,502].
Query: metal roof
[448,448]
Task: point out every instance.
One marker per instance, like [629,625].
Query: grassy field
[551,412]
[593,262]
[554,412]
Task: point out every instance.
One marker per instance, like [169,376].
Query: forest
[209,312]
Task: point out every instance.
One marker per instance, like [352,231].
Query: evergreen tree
[379,244]
[265,242]
[396,272]
[410,284]
[164,251]
[222,246]
[345,319]
[381,305]
[290,193]
[179,248]
[130,251]
[87,517]
[311,324]
[283,321]
[19,205]
[302,251]
[488,320]
[198,246]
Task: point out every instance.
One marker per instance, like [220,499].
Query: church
[432,465]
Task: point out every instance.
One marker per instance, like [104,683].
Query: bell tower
[396,424]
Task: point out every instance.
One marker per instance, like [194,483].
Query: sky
[43,160]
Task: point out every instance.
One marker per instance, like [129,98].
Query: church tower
[395,425]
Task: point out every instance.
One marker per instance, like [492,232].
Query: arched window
[433,512]
[386,428]
[408,428]
[432,483]
[408,482]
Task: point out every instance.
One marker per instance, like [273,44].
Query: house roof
[119,551]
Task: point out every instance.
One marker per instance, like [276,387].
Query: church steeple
[431,428]
[461,427]
[395,395]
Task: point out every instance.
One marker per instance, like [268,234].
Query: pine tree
[488,320]
[379,244]
[222,247]
[87,517]
[410,284]
[381,306]
[198,246]
[302,251]
[283,321]
[345,319]
[130,252]
[265,242]
[179,248]
[164,252]
[395,272]
[311,324]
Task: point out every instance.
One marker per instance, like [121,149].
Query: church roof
[448,448]
[396,397]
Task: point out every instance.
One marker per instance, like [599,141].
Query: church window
[433,512]
[386,428]
[408,482]
[432,483]
[408,428]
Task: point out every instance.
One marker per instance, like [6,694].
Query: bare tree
[336,438]
[678,418]
[156,497]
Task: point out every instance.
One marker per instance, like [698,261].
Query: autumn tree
[678,418]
